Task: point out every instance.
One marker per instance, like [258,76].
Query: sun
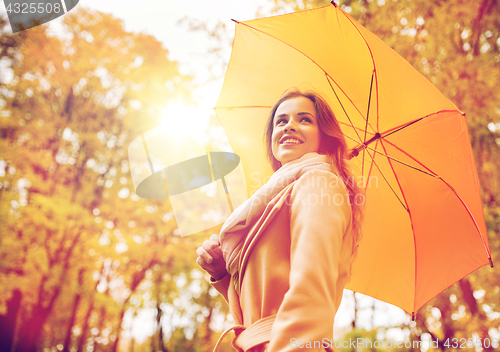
[181,122]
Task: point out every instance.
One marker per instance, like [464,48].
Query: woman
[284,256]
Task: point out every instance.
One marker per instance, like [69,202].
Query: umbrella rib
[371,55]
[345,112]
[367,118]
[393,191]
[355,151]
[456,194]
[321,68]
[430,173]
[411,222]
[400,127]
[401,162]
[404,126]
[356,128]
[373,162]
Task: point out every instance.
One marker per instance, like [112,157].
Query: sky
[160,18]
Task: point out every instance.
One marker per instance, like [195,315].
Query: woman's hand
[210,258]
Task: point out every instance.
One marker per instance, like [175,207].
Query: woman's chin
[284,159]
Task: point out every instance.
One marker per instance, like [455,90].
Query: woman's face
[295,129]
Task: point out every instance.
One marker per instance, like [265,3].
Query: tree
[71,222]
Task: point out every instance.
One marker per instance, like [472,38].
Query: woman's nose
[290,126]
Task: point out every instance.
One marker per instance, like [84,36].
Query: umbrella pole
[355,151]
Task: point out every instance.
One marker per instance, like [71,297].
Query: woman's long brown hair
[332,144]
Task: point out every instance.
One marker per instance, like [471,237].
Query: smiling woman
[295,130]
[284,256]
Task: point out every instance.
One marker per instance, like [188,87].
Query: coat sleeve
[222,285]
[225,286]
[319,217]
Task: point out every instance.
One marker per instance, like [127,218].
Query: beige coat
[295,264]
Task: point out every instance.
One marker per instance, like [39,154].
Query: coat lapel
[251,239]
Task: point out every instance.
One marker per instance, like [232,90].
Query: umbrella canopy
[424,227]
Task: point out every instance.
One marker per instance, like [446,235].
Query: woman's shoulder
[320,194]
[320,178]
[319,187]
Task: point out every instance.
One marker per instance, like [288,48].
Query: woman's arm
[320,215]
[211,260]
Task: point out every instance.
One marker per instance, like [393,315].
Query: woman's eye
[280,121]
[307,119]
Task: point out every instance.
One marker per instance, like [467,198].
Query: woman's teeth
[291,141]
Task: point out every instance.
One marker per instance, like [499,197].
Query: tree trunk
[8,322]
[476,312]
[159,313]
[117,340]
[207,339]
[85,328]
[32,329]
[101,326]
[78,297]
[160,339]
[137,277]
[353,324]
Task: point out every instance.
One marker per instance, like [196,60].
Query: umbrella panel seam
[326,73]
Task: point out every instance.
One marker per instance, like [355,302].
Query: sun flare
[182,122]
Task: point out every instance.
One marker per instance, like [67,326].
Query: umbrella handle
[355,151]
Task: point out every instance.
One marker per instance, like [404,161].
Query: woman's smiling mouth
[290,140]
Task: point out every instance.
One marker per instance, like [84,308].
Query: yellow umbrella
[424,228]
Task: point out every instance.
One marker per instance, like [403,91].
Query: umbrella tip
[412,316]
[235,20]
[333,3]
[491,262]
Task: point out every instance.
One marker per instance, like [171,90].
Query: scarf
[239,223]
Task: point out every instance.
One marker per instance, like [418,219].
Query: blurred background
[87,265]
